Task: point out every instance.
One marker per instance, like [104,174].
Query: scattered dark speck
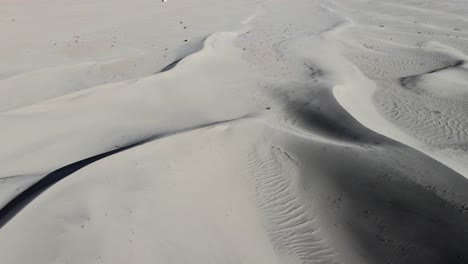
[268,108]
[185,40]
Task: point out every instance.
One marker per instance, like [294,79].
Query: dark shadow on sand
[24,198]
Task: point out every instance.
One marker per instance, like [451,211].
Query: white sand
[323,131]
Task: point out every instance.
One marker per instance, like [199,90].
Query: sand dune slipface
[391,203]
[399,45]
[309,132]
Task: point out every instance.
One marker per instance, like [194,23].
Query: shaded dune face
[316,110]
[325,189]
[394,203]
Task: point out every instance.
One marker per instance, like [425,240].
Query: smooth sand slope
[233,132]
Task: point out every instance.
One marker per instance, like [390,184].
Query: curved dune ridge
[324,131]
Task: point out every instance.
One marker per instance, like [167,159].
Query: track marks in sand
[293,231]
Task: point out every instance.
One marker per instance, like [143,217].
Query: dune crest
[309,131]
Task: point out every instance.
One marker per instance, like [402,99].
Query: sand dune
[324,131]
